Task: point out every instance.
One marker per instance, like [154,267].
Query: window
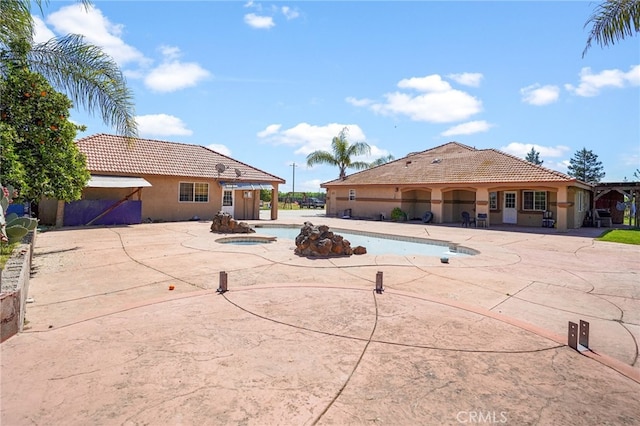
[534,200]
[227,198]
[194,192]
[493,201]
[352,195]
[580,201]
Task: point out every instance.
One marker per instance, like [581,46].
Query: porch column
[563,209]
[482,202]
[274,202]
[436,205]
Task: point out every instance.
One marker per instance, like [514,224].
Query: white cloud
[41,33]
[472,79]
[174,75]
[591,84]
[161,125]
[97,29]
[540,95]
[219,148]
[257,21]
[271,129]
[430,83]
[468,128]
[440,104]
[307,138]
[522,149]
[289,13]
[359,102]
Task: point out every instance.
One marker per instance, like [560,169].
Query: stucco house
[452,178]
[142,179]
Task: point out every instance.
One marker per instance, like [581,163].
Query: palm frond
[15,21]
[89,76]
[612,21]
[321,157]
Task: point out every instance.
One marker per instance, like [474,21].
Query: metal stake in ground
[223,282]
[379,288]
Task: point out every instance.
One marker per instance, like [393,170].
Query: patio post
[563,209]
[437,205]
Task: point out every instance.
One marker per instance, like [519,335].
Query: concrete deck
[308,341]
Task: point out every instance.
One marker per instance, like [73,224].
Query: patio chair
[481,220]
[467,220]
[602,217]
[547,219]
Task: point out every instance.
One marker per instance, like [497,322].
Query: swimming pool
[379,244]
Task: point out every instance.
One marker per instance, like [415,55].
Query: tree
[636,174]
[90,77]
[382,160]
[341,155]
[534,157]
[613,20]
[585,166]
[39,155]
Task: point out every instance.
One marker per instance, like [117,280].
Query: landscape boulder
[319,241]
[223,223]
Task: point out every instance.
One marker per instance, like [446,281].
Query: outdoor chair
[547,220]
[602,218]
[467,220]
[481,220]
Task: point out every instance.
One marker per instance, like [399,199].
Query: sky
[267,83]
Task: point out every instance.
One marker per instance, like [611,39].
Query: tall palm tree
[90,77]
[612,21]
[343,151]
[382,160]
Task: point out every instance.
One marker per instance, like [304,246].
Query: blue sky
[269,82]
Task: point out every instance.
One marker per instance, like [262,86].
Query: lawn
[626,236]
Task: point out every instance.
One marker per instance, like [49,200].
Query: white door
[228,201]
[510,210]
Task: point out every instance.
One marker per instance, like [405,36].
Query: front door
[510,210]
[227,201]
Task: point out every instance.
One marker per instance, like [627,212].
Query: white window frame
[352,195]
[493,201]
[535,207]
[196,195]
[580,200]
[227,198]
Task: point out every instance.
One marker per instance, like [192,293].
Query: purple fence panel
[82,212]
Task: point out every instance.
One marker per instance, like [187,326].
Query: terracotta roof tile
[454,163]
[116,154]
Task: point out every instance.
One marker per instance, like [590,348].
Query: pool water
[376,244]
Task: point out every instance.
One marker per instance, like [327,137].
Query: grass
[5,253]
[625,236]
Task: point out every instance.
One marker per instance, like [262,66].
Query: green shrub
[397,215]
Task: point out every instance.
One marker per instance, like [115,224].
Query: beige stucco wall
[160,202]
[371,200]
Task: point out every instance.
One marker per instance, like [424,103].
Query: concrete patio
[309,341]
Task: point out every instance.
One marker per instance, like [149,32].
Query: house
[134,180]
[452,178]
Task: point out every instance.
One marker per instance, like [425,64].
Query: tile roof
[454,163]
[117,155]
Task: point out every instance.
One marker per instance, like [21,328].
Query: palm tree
[612,21]
[90,77]
[342,153]
[382,160]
